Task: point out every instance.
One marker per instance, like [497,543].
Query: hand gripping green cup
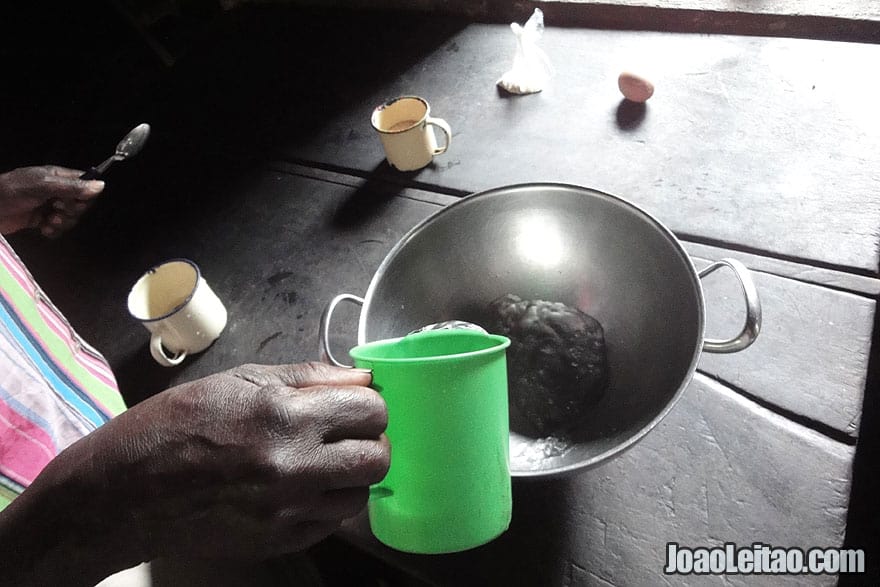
[448,488]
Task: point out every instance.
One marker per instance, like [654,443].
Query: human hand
[248,463]
[251,462]
[47,197]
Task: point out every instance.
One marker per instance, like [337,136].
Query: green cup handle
[324,334]
[377,492]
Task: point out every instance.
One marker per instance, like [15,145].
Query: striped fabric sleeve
[54,388]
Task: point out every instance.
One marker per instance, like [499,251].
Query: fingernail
[359,370]
[94,186]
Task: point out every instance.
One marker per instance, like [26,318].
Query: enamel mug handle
[159,353]
[752,326]
[444,126]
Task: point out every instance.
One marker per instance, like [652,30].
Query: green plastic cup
[448,488]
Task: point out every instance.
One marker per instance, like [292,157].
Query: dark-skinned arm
[249,463]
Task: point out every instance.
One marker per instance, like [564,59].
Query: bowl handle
[752,326]
[324,333]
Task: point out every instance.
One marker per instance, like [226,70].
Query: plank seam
[815,425]
[683,236]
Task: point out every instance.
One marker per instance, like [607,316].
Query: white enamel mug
[183,314]
[406,130]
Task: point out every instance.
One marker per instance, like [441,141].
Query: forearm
[57,533]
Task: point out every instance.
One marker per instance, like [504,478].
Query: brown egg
[634,88]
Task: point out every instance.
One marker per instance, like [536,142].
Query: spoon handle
[92,173]
[101,169]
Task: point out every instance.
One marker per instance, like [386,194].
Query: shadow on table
[863,520]
[370,199]
[140,377]
[629,115]
[535,550]
[252,80]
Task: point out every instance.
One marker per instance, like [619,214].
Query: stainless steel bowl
[568,244]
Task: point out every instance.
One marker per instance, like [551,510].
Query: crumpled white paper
[531,69]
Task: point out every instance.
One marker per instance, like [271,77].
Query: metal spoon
[130,145]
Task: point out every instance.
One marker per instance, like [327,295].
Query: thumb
[78,189]
[66,187]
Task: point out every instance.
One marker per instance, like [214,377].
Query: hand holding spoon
[59,214]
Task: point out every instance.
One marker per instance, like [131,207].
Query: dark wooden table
[762,149]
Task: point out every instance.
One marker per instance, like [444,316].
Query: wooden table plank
[811,19]
[741,133]
[839,280]
[811,357]
[866,9]
[863,10]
